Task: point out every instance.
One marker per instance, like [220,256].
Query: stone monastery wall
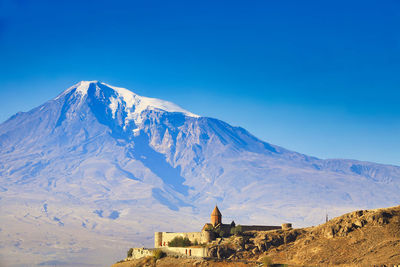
[259,228]
[161,239]
[189,251]
[138,253]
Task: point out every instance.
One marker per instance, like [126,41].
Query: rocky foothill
[364,237]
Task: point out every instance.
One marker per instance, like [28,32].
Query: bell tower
[216,216]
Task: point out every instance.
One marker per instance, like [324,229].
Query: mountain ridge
[101,166]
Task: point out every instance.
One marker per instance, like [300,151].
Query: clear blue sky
[317,77]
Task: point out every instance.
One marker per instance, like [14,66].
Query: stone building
[208,233]
[217,225]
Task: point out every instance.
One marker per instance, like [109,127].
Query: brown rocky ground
[360,238]
[170,261]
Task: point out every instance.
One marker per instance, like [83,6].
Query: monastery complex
[199,240]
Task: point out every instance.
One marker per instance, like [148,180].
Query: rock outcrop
[360,237]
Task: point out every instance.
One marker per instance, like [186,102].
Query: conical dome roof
[216,212]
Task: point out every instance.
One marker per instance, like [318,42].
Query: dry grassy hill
[363,238]
[182,262]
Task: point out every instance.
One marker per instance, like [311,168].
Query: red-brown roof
[216,212]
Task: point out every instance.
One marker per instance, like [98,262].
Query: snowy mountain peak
[83,86]
[142,103]
[80,87]
[133,104]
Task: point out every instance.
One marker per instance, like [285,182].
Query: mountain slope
[359,238]
[364,237]
[104,167]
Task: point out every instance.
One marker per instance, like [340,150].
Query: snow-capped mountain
[99,168]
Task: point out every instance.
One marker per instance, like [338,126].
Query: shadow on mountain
[157,164]
[127,173]
[99,104]
[168,200]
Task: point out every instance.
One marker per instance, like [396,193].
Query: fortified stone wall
[189,251]
[161,239]
[140,252]
[259,228]
[286,226]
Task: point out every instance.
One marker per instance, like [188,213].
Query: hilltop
[364,237]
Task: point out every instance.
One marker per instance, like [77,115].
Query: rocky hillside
[182,262]
[364,237]
[360,237]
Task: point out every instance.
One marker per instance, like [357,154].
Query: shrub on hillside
[221,233]
[267,261]
[129,253]
[179,241]
[209,227]
[237,230]
[158,254]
